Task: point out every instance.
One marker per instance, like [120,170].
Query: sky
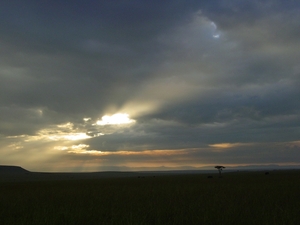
[124,85]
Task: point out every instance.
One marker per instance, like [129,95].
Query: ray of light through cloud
[139,85]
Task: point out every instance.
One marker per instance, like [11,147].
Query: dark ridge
[12,169]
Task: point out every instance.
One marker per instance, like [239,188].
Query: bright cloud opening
[216,34]
[118,118]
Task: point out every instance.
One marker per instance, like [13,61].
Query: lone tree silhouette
[220,168]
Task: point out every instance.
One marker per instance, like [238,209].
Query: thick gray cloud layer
[211,82]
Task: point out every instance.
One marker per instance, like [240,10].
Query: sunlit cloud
[65,125]
[78,149]
[83,151]
[71,137]
[16,146]
[229,145]
[115,119]
[60,148]
[80,146]
[59,132]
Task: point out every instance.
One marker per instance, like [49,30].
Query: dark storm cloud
[74,52]
[190,73]
[74,56]
[124,22]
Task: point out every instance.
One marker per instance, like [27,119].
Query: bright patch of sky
[115,119]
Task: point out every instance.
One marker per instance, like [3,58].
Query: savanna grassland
[237,198]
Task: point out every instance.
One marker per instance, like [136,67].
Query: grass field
[237,198]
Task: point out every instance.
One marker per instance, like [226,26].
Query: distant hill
[12,169]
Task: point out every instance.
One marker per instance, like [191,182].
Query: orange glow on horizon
[228,145]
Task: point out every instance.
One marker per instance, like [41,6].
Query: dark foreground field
[237,198]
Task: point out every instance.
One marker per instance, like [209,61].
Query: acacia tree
[220,168]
